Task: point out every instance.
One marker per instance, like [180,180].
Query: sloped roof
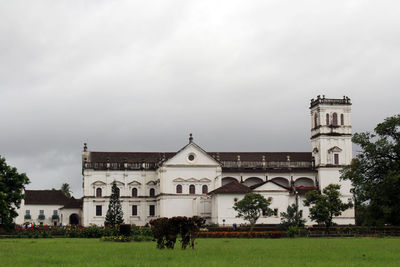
[305,189]
[233,187]
[269,181]
[73,203]
[45,197]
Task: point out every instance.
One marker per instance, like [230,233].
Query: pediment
[151,183]
[99,183]
[191,155]
[205,180]
[270,186]
[335,149]
[134,183]
[179,180]
[192,180]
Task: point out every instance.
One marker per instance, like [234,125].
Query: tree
[293,216]
[12,186]
[65,188]
[114,214]
[327,205]
[375,173]
[251,207]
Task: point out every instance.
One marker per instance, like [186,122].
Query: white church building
[193,182]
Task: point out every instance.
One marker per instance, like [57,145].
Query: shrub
[125,229]
[292,231]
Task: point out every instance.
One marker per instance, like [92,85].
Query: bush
[292,231]
[125,229]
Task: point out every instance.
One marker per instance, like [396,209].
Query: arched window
[179,189]
[315,120]
[134,192]
[152,192]
[341,119]
[204,189]
[334,119]
[192,189]
[118,192]
[98,192]
[327,119]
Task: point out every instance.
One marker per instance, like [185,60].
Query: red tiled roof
[45,197]
[233,187]
[305,189]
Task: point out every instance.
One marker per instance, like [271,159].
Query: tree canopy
[65,188]
[114,214]
[12,186]
[375,173]
[293,216]
[251,207]
[327,205]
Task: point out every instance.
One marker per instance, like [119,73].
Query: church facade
[193,182]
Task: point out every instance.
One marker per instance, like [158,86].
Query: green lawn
[208,252]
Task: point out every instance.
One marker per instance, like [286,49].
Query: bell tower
[332,146]
[331,131]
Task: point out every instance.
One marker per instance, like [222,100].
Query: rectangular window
[41,212]
[152,210]
[98,210]
[27,212]
[275,212]
[55,212]
[134,210]
[336,156]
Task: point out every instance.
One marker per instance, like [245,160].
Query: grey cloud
[139,76]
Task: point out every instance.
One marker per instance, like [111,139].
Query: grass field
[208,252]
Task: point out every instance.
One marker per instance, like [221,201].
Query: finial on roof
[190,138]
[84,147]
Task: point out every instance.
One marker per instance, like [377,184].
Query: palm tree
[65,188]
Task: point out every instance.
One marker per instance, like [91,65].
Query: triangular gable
[200,157]
[179,180]
[99,183]
[192,180]
[269,186]
[335,149]
[134,183]
[205,180]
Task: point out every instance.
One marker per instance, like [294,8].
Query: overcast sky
[142,75]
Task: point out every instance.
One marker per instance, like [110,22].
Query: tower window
[204,189]
[315,120]
[134,210]
[98,192]
[179,189]
[152,192]
[334,119]
[98,210]
[134,192]
[152,210]
[341,119]
[327,119]
[336,159]
[192,189]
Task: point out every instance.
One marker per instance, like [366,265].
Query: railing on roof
[330,101]
[225,164]
[266,164]
[119,166]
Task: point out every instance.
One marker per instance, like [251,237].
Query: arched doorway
[74,219]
